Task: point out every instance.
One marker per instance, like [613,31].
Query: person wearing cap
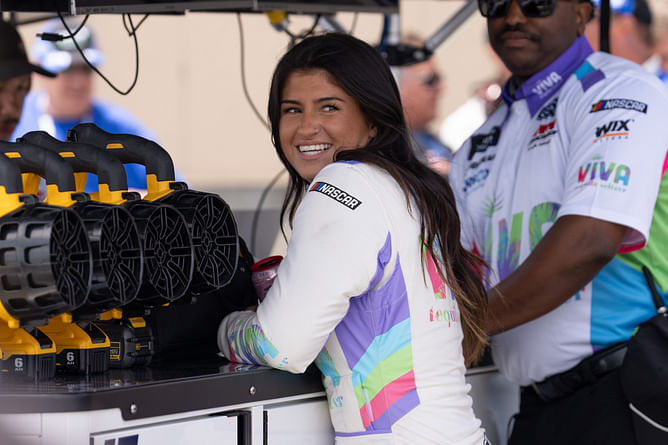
[14,78]
[559,191]
[658,63]
[68,99]
[421,87]
[630,33]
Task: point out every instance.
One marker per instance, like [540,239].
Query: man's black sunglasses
[431,80]
[494,9]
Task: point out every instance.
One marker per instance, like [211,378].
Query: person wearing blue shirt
[638,32]
[67,99]
[421,86]
[658,63]
[630,31]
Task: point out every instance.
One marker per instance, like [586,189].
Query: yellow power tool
[46,264]
[117,250]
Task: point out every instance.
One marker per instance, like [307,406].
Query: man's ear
[584,12]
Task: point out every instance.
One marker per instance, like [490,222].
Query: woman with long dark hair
[375,286]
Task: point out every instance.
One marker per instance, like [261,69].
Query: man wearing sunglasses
[559,191]
[421,87]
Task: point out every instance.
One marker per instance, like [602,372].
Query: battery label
[115,350]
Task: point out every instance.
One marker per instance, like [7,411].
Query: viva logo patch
[546,85]
[606,174]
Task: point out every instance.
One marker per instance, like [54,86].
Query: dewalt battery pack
[131,342]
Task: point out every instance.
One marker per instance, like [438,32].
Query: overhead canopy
[181,6]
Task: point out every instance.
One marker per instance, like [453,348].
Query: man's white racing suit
[585,136]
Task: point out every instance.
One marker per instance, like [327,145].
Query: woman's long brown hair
[362,73]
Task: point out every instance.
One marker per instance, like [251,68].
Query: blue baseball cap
[60,55]
[638,8]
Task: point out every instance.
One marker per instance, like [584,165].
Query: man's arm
[570,254]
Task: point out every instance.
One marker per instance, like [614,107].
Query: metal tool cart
[202,401]
[206,401]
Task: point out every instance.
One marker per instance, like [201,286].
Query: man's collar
[540,87]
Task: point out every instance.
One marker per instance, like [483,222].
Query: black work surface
[160,389]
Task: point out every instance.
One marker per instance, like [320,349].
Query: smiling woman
[375,287]
[319,119]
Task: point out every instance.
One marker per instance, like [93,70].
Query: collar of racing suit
[540,87]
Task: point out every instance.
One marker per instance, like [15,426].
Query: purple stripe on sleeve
[353,332]
[388,304]
[384,255]
[372,314]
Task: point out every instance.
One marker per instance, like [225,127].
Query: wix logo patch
[613,129]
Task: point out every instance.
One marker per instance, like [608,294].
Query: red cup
[263,274]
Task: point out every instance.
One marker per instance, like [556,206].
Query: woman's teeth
[313,148]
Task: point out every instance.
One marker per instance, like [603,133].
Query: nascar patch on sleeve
[336,194]
[625,104]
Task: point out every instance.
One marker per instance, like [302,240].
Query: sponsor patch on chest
[543,134]
[548,111]
[336,194]
[481,142]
